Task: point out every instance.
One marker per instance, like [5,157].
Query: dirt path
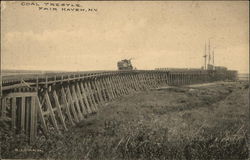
[210,84]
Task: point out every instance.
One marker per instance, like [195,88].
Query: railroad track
[14,81]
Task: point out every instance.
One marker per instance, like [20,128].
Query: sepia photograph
[124,80]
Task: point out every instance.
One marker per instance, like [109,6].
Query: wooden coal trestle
[59,101]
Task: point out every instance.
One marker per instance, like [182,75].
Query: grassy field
[207,122]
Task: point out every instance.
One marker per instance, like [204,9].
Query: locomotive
[125,64]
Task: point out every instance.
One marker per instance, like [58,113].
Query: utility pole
[205,56]
[209,55]
[213,56]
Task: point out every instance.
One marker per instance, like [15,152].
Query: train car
[125,64]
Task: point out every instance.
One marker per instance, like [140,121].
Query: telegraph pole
[205,56]
[213,56]
[209,55]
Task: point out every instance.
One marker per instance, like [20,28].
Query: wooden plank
[113,91]
[27,115]
[40,114]
[22,114]
[166,79]
[76,100]
[113,87]
[98,84]
[137,82]
[155,80]
[171,79]
[19,94]
[123,84]
[5,119]
[32,119]
[107,83]
[92,95]
[134,83]
[116,84]
[131,83]
[83,99]
[163,79]
[98,87]
[87,101]
[3,109]
[146,81]
[13,113]
[109,86]
[36,116]
[143,82]
[17,86]
[93,92]
[58,106]
[120,85]
[139,77]
[71,103]
[99,90]
[158,79]
[175,79]
[52,115]
[86,90]
[67,106]
[179,79]
[128,84]
[94,84]
[150,80]
[92,102]
[103,92]
[148,77]
[80,99]
[48,112]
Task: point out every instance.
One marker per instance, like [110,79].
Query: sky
[156,34]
